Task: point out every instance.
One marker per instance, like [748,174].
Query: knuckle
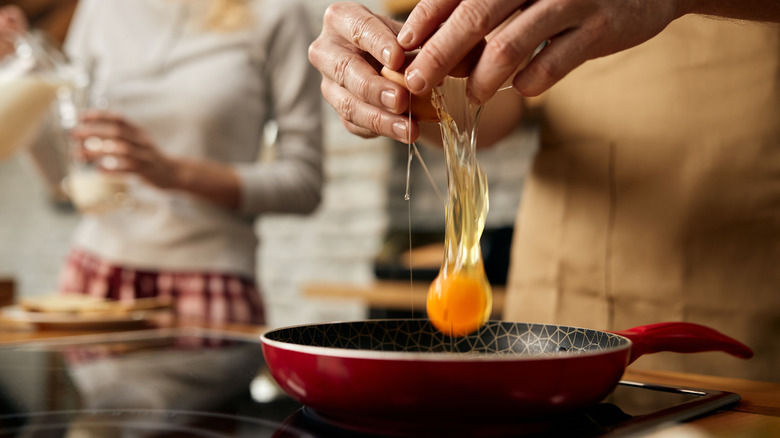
[340,69]
[598,24]
[345,107]
[601,21]
[333,11]
[357,130]
[324,88]
[546,71]
[350,127]
[330,95]
[114,131]
[359,29]
[480,89]
[504,51]
[437,59]
[360,87]
[312,52]
[425,11]
[374,121]
[473,16]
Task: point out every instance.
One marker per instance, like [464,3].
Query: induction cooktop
[207,383]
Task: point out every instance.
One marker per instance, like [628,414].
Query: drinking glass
[91,189]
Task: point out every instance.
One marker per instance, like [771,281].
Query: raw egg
[458,303]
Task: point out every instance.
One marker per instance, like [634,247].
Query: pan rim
[454,357]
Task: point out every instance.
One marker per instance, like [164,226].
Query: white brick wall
[337,243]
[33,236]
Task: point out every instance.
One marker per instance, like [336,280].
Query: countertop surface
[756,415]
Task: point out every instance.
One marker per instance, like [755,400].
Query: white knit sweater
[203,94]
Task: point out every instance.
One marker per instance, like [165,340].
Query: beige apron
[656,195]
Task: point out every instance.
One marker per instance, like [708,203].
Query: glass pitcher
[35,79]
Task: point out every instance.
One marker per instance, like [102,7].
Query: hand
[12,22]
[577,30]
[12,19]
[349,53]
[117,145]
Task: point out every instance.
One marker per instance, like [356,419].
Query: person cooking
[190,87]
[654,195]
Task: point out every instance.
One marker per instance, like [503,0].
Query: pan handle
[681,337]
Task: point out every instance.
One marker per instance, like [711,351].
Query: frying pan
[370,373]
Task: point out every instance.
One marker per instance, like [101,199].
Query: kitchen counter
[757,415]
[384,296]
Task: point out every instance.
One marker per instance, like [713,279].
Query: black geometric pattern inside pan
[419,336]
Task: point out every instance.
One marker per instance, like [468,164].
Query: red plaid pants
[212,297]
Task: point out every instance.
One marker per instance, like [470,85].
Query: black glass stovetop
[203,383]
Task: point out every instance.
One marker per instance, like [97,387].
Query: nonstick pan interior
[496,338]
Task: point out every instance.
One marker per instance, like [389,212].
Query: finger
[355,74]
[357,130]
[12,18]
[571,42]
[551,65]
[365,133]
[110,126]
[511,47]
[366,116]
[88,149]
[94,148]
[424,19]
[113,163]
[469,23]
[101,115]
[393,25]
[120,156]
[359,26]
[113,154]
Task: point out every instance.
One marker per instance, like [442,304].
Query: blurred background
[357,238]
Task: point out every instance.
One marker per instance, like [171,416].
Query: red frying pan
[366,374]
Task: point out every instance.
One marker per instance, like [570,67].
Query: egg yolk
[457,303]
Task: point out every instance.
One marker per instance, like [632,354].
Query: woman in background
[191,85]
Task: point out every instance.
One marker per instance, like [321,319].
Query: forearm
[289,184]
[755,10]
[212,181]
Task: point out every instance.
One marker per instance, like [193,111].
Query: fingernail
[400,129]
[386,56]
[405,36]
[414,81]
[109,162]
[388,99]
[93,144]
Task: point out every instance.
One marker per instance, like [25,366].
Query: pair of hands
[355,43]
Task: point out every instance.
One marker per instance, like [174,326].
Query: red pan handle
[681,337]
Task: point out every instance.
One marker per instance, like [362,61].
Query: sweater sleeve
[292,181]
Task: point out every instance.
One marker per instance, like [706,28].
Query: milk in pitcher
[24,103]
